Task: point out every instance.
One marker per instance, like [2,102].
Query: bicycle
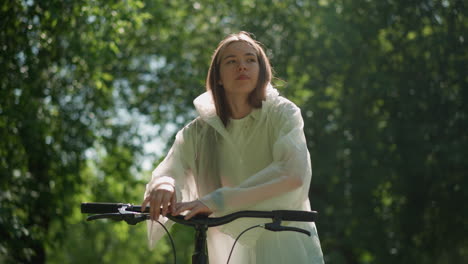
[132,215]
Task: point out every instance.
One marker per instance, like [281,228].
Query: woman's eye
[251,60]
[230,61]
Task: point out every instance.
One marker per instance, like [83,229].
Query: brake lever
[135,219]
[277,227]
[113,216]
[132,218]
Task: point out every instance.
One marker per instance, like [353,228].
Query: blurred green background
[92,92]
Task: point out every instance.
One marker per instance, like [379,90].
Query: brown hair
[212,80]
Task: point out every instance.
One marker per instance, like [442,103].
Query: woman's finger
[198,208]
[145,203]
[156,205]
[165,203]
[175,209]
[192,213]
[151,211]
[181,207]
[173,203]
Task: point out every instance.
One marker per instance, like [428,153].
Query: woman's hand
[163,196]
[194,208]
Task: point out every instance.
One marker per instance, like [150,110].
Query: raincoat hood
[205,106]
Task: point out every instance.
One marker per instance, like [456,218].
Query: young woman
[245,150]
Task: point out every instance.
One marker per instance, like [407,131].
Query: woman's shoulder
[280,105]
[193,127]
[193,124]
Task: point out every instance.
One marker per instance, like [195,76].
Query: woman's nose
[242,66]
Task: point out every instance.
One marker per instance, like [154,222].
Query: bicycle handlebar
[132,214]
[104,208]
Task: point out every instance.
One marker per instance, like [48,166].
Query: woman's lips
[243,77]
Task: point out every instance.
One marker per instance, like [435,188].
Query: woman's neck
[239,105]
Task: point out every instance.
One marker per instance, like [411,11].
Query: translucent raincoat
[265,167]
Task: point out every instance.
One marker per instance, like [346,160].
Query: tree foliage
[381,85]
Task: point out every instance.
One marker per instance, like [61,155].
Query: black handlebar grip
[100,208]
[301,216]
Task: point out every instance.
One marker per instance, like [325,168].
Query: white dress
[260,162]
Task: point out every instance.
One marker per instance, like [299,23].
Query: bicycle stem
[200,255]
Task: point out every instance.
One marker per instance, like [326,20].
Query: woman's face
[239,69]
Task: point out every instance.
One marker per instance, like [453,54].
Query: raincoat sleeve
[173,170]
[284,183]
